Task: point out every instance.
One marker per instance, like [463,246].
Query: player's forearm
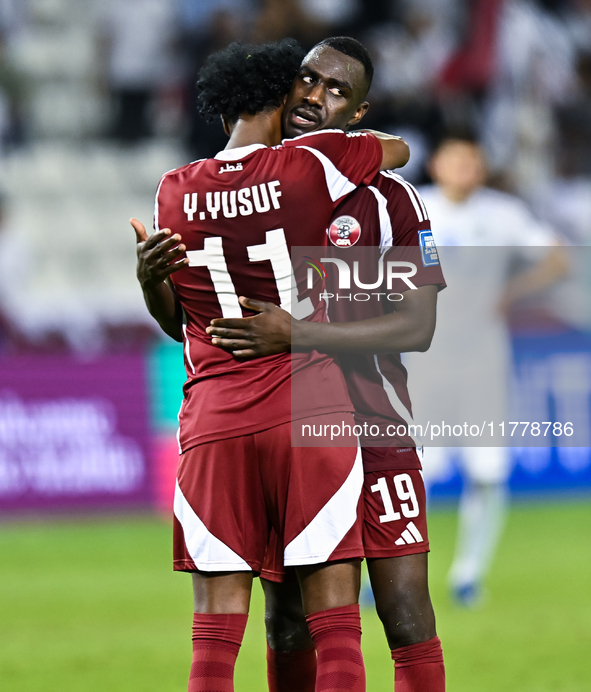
[274,331]
[395,151]
[394,333]
[165,308]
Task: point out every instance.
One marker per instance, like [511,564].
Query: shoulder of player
[310,138]
[393,185]
[400,193]
[175,172]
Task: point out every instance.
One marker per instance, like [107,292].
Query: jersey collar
[238,152]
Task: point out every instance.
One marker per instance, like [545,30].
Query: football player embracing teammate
[387,214]
[234,218]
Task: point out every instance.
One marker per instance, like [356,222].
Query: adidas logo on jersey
[410,535]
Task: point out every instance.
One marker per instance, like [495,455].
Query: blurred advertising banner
[166,378]
[551,381]
[74,434]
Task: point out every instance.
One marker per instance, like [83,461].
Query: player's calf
[337,638]
[217,633]
[285,621]
[330,593]
[419,667]
[216,642]
[403,604]
[291,656]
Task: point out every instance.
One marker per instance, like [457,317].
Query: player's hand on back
[265,334]
[157,255]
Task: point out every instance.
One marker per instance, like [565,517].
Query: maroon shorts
[231,493]
[395,519]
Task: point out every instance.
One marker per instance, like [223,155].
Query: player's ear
[227,126]
[359,113]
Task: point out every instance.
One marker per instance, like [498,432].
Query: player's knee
[287,629]
[407,617]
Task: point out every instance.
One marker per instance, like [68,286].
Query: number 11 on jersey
[275,250]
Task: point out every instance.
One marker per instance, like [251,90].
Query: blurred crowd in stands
[514,73]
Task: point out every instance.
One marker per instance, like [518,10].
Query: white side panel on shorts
[208,552]
[323,534]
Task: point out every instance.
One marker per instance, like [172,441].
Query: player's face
[459,166]
[327,92]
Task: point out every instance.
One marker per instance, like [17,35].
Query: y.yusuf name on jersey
[231,203]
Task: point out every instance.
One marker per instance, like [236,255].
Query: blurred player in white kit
[471,351]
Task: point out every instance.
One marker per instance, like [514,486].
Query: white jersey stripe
[396,404]
[156,221]
[178,430]
[323,534]
[311,134]
[419,198]
[188,349]
[208,552]
[414,196]
[338,185]
[386,235]
[407,187]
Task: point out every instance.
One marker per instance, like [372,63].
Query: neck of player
[262,128]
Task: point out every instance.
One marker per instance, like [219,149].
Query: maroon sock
[216,642]
[419,667]
[337,637]
[291,671]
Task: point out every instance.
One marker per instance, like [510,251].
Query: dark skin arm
[395,151]
[159,256]
[273,330]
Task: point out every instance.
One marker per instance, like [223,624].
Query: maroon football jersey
[238,215]
[390,215]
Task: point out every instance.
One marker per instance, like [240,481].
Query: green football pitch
[89,605]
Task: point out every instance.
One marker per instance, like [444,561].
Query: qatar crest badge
[344,231]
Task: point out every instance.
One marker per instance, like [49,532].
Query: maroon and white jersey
[389,216]
[238,214]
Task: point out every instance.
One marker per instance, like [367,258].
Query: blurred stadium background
[95,104]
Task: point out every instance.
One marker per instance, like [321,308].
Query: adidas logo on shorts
[410,535]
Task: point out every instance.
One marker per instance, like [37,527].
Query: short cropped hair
[247,78]
[351,47]
[463,135]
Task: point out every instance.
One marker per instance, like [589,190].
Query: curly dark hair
[246,78]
